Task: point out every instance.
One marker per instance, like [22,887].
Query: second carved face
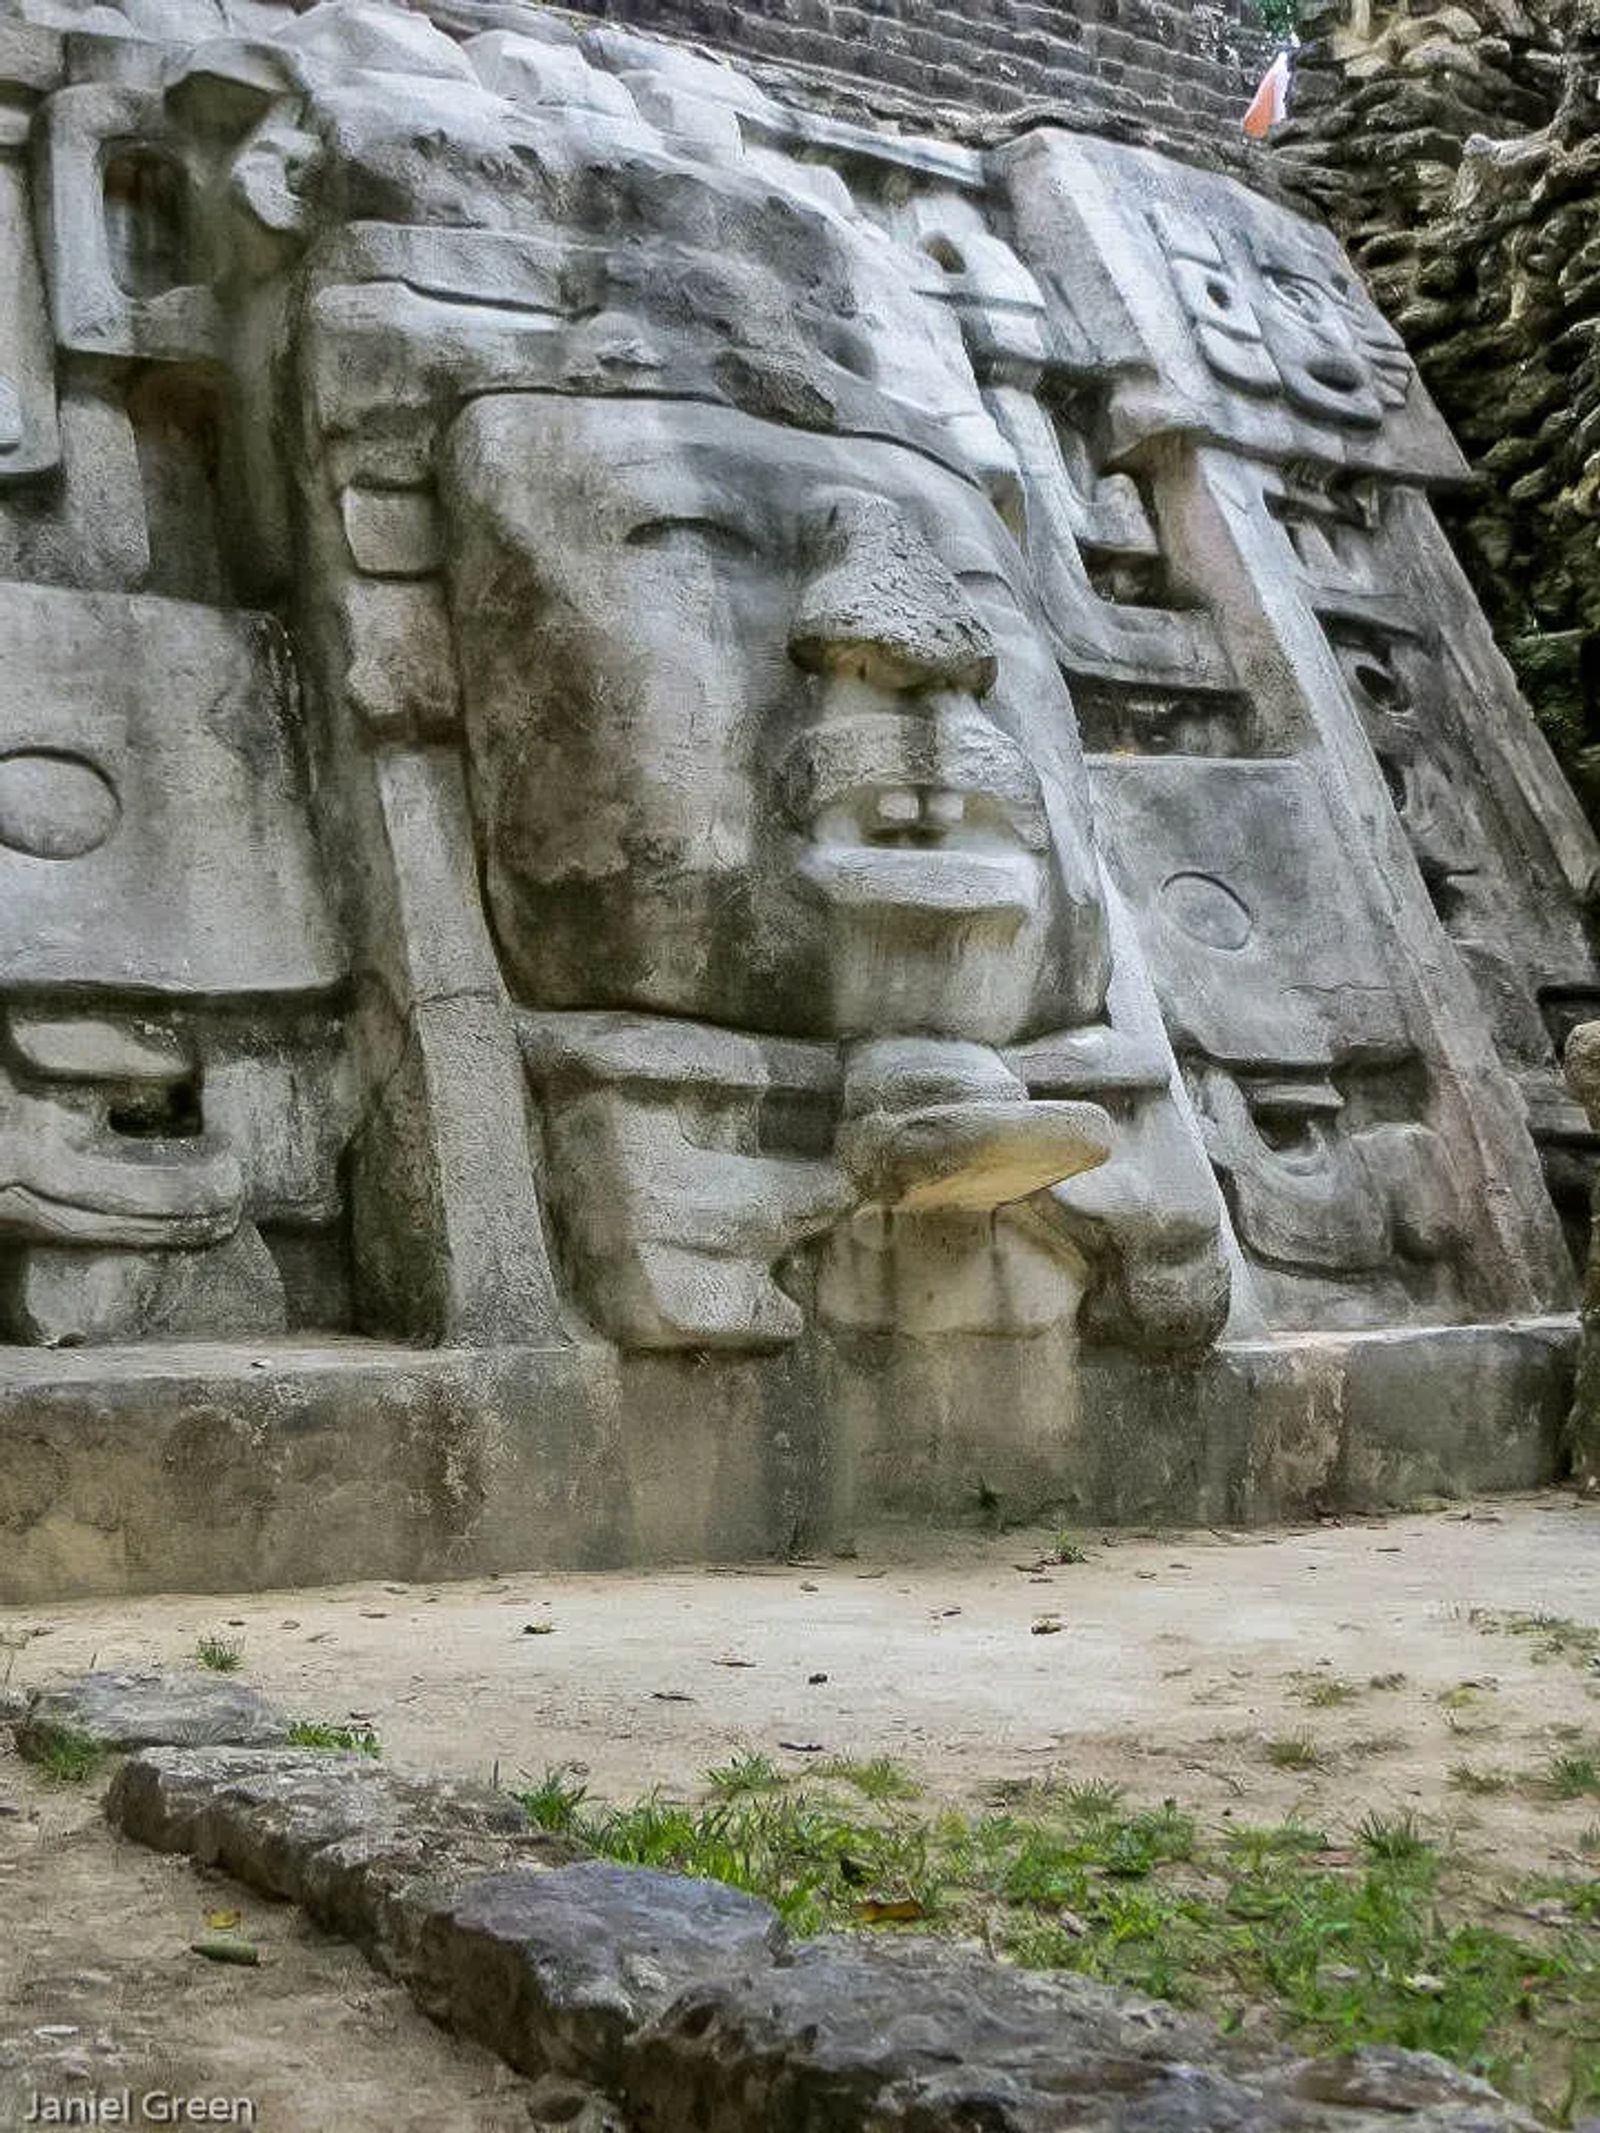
[765,728]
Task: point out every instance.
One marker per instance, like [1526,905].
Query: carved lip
[937,879]
[932,784]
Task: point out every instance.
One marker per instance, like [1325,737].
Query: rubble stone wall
[1456,150]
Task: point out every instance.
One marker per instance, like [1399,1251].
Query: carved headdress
[504,214]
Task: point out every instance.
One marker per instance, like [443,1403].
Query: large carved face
[764,728]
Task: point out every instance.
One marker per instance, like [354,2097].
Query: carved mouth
[927,815]
[921,818]
[924,848]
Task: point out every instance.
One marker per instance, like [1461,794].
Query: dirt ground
[1171,1664]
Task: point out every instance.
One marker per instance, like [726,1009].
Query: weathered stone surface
[557,1971]
[369,1851]
[646,2003]
[400,1464]
[926,2039]
[123,1711]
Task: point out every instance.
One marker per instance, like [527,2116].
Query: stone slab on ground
[557,1971]
[684,2001]
[370,1852]
[910,2036]
[123,1711]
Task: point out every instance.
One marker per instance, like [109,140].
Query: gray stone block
[121,1712]
[556,1972]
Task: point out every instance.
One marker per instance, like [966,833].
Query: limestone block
[123,284]
[557,1971]
[915,2036]
[400,676]
[124,1712]
[91,531]
[1231,869]
[153,834]
[392,532]
[53,1297]
[30,439]
[1256,326]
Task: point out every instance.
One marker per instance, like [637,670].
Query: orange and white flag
[1270,104]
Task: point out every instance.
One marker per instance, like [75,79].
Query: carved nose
[880,607]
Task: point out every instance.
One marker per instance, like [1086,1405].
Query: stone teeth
[946,809]
[898,806]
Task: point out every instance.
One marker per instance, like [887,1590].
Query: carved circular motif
[1207,910]
[55,806]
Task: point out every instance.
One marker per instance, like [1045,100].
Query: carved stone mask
[764,728]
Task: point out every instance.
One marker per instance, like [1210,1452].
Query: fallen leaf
[223,1921]
[807,1586]
[895,1911]
[802,1747]
[733,1662]
[815,1680]
[671,1696]
[1047,1626]
[538,1629]
[222,1948]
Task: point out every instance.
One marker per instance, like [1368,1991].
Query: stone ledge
[215,1469]
[657,2002]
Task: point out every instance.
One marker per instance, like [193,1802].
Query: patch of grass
[1294,1751]
[1574,1775]
[220,1655]
[1465,1696]
[69,1759]
[878,1778]
[1383,1936]
[1256,1846]
[745,1773]
[1553,1636]
[556,1801]
[312,1733]
[1324,1692]
[1093,1799]
[1466,1777]
[1066,1548]
[1395,1839]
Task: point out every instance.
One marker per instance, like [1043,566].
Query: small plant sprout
[555,1802]
[220,1655]
[1294,1751]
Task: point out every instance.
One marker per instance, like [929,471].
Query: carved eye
[709,536]
[1296,294]
[54,805]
